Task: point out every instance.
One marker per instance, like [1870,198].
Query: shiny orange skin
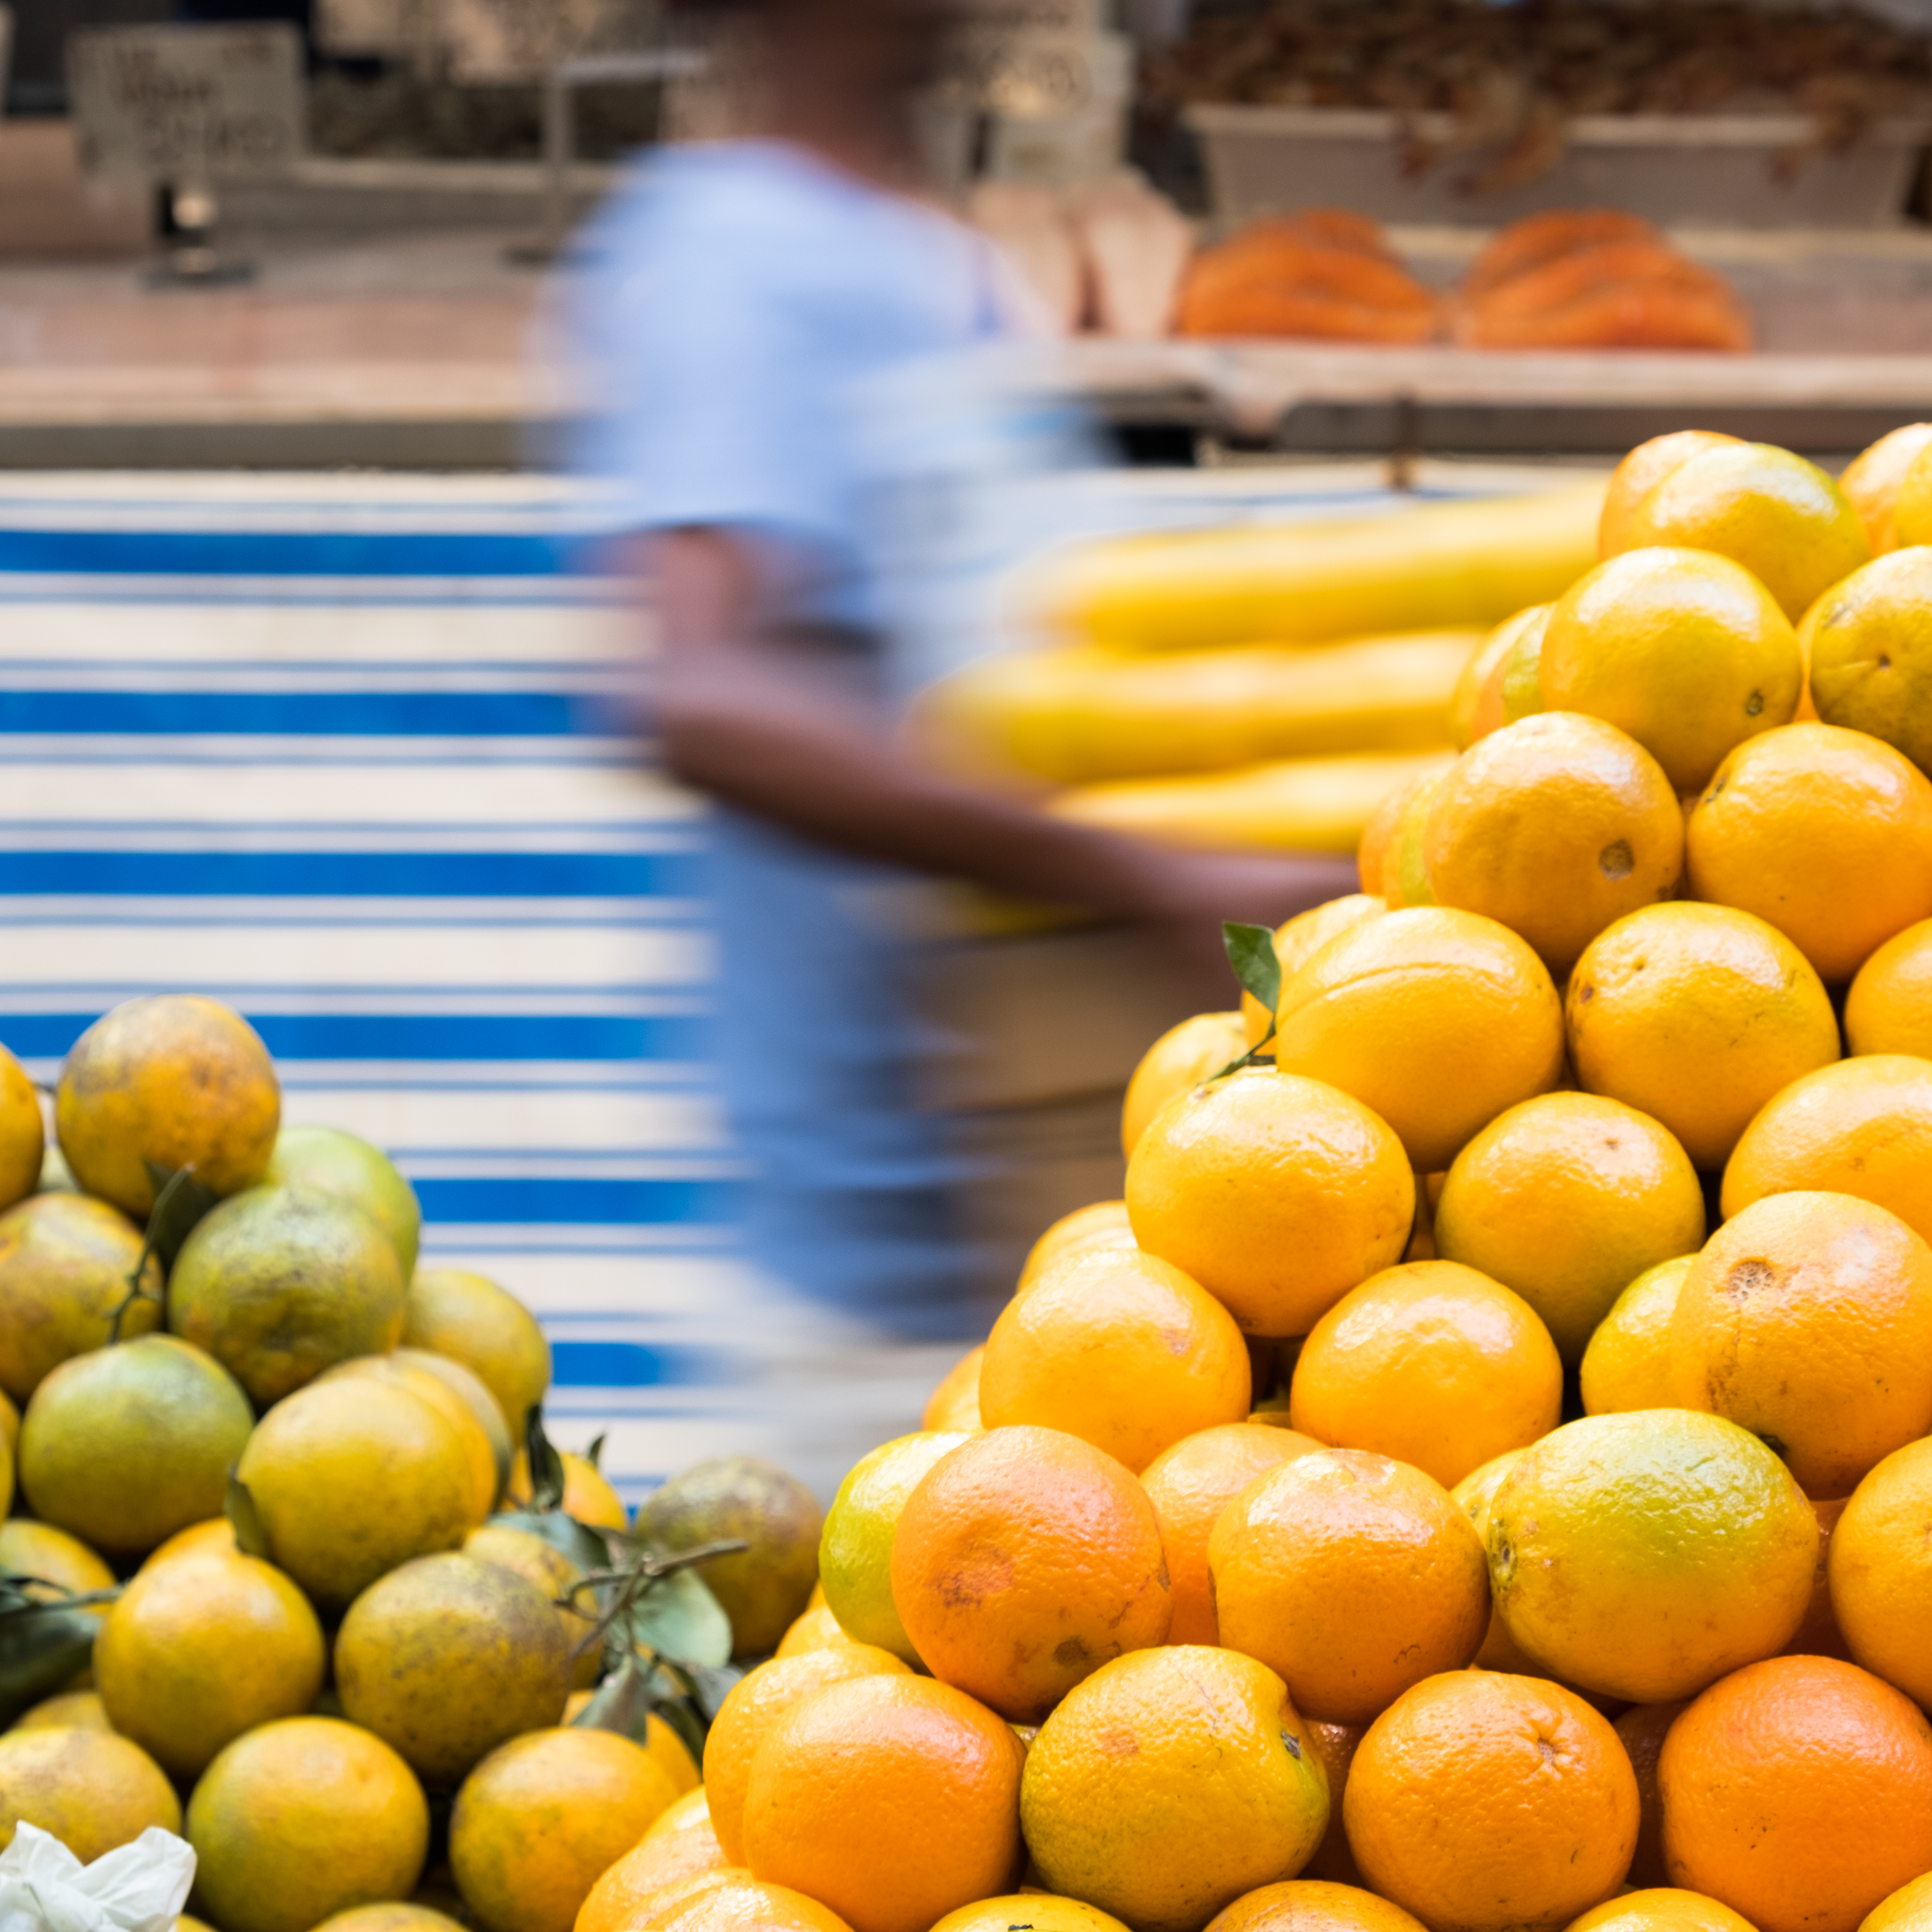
[1825,833]
[1862,1127]
[1697,1015]
[1101,1224]
[1889,1007]
[1908,1909]
[1276,1194]
[1337,1744]
[1121,1349]
[1555,825]
[1794,1792]
[1643,1728]
[1375,856]
[680,1845]
[891,1800]
[1878,1571]
[64,1262]
[1432,1363]
[754,1703]
[955,1403]
[1023,1562]
[732,1901]
[1489,1803]
[1664,1909]
[1297,940]
[1818,1635]
[1352,1576]
[1872,477]
[1189,1485]
[1807,1319]
[1640,472]
[1313,1905]
[1435,1019]
[1476,710]
[1182,1058]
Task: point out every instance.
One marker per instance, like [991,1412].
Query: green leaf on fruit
[546,1477]
[245,1518]
[1251,952]
[180,1202]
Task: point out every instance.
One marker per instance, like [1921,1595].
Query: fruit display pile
[1478,1478]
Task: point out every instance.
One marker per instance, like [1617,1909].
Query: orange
[1643,1555]
[399,1371]
[891,1800]
[1912,507]
[1170,1783]
[543,1817]
[955,1403]
[1436,1019]
[1554,826]
[64,1265]
[1351,1576]
[1824,832]
[23,1132]
[1519,677]
[1023,1561]
[1120,1349]
[1662,1909]
[1476,709]
[1432,1363]
[1566,1199]
[1036,1911]
[1189,1485]
[1889,1008]
[1640,472]
[680,1845]
[1782,519]
[1375,855]
[1336,1745]
[298,1820]
[469,1318]
[1298,941]
[1794,1792]
[1404,869]
[1313,1905]
[90,1790]
[1818,1635]
[1473,1496]
[1877,1565]
[1684,651]
[755,1702]
[1102,1225]
[1627,1365]
[1862,1127]
[1870,480]
[1276,1194]
[543,1564]
[815,1629]
[732,1901]
[1696,1015]
[1643,1728]
[1870,642]
[1483,1801]
[1807,1319]
[1181,1059]
[1908,1909]
[587,1494]
[67,1711]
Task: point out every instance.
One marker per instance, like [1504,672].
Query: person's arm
[753,721]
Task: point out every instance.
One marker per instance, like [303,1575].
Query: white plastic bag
[137,1888]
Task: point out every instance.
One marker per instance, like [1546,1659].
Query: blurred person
[753,301]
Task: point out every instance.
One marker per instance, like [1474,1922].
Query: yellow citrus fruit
[65,1262]
[1696,1015]
[63,1562]
[1170,1783]
[1183,1056]
[954,1405]
[1351,1576]
[1888,1009]
[1684,651]
[1807,1320]
[1276,1194]
[855,1551]
[448,1657]
[543,1817]
[71,1710]
[1870,481]
[1376,853]
[680,1845]
[1826,833]
[1640,472]
[325,1160]
[396,1916]
[351,1478]
[587,1493]
[1470,717]
[197,1651]
[278,1286]
[1296,942]
[1189,1484]
[1912,506]
[1566,1198]
[90,1790]
[468,1318]
[754,1704]
[764,1586]
[1405,871]
[174,1081]
[478,1449]
[814,1629]
[1435,1019]
[1022,1562]
[1782,519]
[1908,1909]
[1487,1802]
[1869,641]
[1641,1556]
[300,1820]
[1627,1365]
[1313,1905]
[1102,1224]
[1878,1567]
[1664,1909]
[1555,826]
[1861,1127]
[1122,1350]
[471,1389]
[1473,1496]
[1519,676]
[733,1901]
[23,1132]
[123,1446]
[1037,1911]
[1432,1363]
[893,1800]
[544,1565]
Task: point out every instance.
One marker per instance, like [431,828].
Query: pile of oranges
[1478,1478]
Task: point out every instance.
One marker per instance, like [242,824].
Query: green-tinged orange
[90,1790]
[1627,1365]
[65,1263]
[1870,643]
[473,1321]
[326,1160]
